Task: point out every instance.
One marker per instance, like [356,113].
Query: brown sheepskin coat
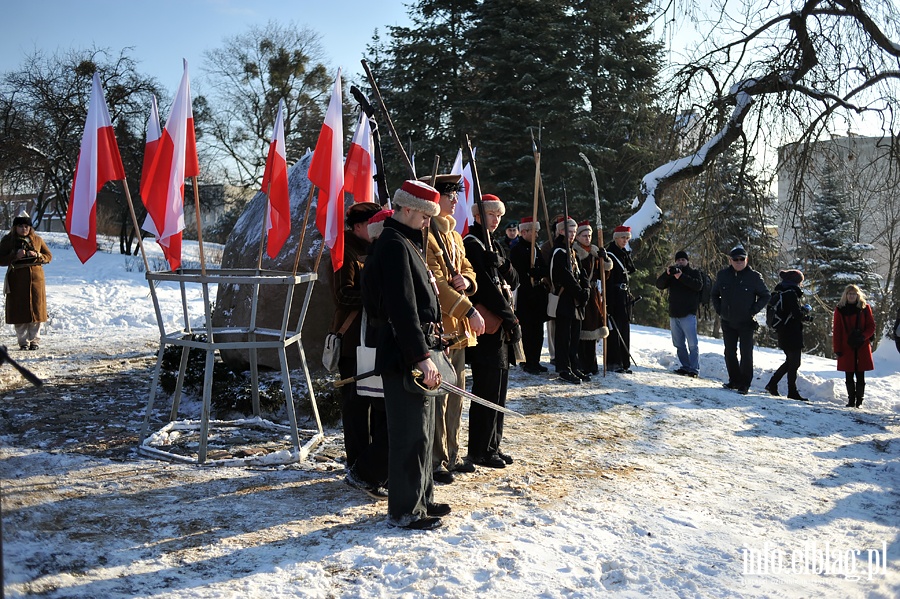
[26,298]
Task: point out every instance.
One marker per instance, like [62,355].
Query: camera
[674,270]
[23,243]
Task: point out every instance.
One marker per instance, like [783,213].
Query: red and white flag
[466,197]
[275,186]
[359,168]
[326,171]
[98,162]
[175,159]
[154,132]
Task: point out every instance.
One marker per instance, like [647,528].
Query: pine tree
[831,257]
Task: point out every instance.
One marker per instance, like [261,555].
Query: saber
[463,393]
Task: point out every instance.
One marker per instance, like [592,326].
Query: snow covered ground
[648,485]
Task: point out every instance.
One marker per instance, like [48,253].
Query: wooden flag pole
[137,228]
[312,189]
[199,226]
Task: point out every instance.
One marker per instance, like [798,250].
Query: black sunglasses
[741,259]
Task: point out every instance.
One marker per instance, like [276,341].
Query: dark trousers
[568,333]
[532,340]
[587,353]
[485,424]
[740,372]
[354,413]
[617,349]
[372,463]
[410,421]
[790,366]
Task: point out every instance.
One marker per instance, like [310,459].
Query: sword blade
[471,396]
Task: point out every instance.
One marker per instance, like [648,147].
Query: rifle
[366,107]
[599,220]
[387,119]
[489,245]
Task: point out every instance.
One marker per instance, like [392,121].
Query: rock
[233,302]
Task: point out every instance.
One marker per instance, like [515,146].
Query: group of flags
[170,156]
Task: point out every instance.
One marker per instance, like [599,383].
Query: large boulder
[233,302]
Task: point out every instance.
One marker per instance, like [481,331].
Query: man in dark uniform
[531,298]
[619,302]
[400,297]
[355,409]
[571,285]
[490,359]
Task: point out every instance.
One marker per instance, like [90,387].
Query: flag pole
[199,227]
[319,256]
[312,189]
[137,227]
[262,237]
[537,187]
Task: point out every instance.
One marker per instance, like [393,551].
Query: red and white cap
[528,223]
[376,223]
[563,224]
[622,231]
[418,196]
[491,203]
[583,226]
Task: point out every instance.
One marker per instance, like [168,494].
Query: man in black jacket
[490,358]
[401,300]
[738,294]
[531,298]
[619,302]
[571,285]
[684,285]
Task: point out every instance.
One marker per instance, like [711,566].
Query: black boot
[860,390]
[772,388]
[851,394]
[794,394]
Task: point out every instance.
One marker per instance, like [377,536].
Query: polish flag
[98,162]
[466,199]
[154,132]
[174,160]
[275,185]
[326,171]
[359,168]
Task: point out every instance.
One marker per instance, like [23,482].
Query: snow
[648,485]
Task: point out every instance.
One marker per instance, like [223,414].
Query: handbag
[371,386]
[856,338]
[491,320]
[552,298]
[445,368]
[331,353]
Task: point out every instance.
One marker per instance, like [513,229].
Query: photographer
[25,253]
[684,284]
[790,334]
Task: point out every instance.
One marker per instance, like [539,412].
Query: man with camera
[684,284]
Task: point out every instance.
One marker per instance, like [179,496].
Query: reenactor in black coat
[531,297]
[619,302]
[490,359]
[400,298]
[571,285]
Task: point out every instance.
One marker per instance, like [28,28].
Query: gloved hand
[583,295]
[514,333]
[494,259]
[602,253]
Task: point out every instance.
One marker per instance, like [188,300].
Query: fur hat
[681,254]
[791,276]
[583,226]
[376,223]
[528,224]
[491,203]
[22,219]
[360,212]
[622,231]
[738,252]
[563,224]
[444,183]
[418,196]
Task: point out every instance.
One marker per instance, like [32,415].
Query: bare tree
[785,74]
[249,74]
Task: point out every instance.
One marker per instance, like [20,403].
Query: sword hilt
[417,376]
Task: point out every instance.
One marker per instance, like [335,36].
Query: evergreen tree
[831,258]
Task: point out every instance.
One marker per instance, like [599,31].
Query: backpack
[706,289]
[776,314]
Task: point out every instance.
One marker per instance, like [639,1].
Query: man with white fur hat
[531,298]
[400,299]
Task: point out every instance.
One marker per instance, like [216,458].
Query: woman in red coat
[853,331]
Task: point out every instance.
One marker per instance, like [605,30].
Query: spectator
[738,294]
[684,284]
[790,333]
[852,333]
[25,253]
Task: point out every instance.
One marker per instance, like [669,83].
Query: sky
[164,32]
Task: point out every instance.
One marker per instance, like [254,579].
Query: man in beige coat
[461,321]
